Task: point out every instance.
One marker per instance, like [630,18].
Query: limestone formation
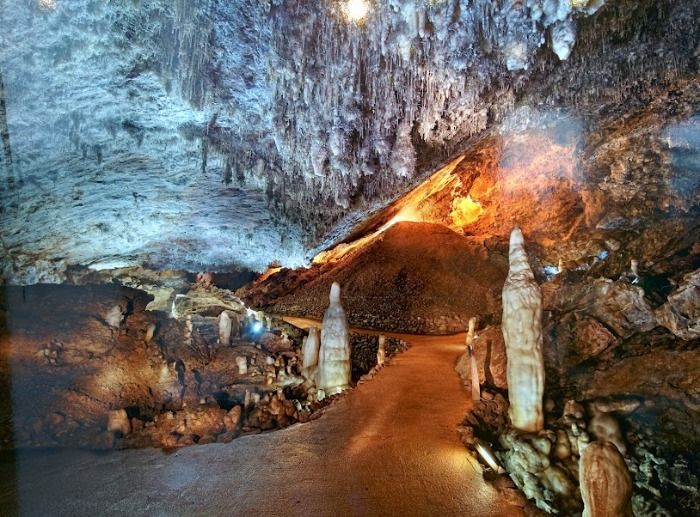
[189,329]
[311,346]
[606,486]
[115,316]
[224,329]
[118,422]
[634,268]
[605,427]
[473,367]
[381,351]
[242,364]
[334,355]
[522,331]
[150,332]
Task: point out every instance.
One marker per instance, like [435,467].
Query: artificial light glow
[488,457]
[257,326]
[465,211]
[356,10]
[47,5]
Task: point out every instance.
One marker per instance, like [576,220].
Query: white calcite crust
[522,331]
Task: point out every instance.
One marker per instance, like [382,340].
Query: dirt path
[387,448]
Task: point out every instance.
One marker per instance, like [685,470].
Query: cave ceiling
[210,134]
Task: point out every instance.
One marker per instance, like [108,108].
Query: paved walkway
[389,447]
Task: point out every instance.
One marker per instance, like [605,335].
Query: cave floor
[389,447]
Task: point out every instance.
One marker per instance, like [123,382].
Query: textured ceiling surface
[205,134]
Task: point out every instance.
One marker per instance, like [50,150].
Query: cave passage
[387,448]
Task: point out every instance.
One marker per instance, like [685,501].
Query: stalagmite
[224,329]
[242,364]
[606,486]
[189,328]
[118,422]
[115,316]
[381,351]
[605,427]
[334,355]
[311,349]
[150,332]
[476,389]
[522,332]
[634,267]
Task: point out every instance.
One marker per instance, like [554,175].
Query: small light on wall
[486,455]
[356,10]
[47,5]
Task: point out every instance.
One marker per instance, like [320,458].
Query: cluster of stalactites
[352,100]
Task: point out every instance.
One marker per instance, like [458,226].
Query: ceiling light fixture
[356,10]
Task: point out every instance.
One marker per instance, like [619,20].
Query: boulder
[681,313]
[619,306]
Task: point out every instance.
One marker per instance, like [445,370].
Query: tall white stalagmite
[476,389]
[224,329]
[606,486]
[334,356]
[522,332]
[310,357]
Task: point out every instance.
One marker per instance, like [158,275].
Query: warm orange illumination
[267,274]
[532,161]
[465,210]
[407,214]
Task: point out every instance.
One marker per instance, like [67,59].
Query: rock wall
[615,374]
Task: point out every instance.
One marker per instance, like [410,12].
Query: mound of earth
[413,277]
